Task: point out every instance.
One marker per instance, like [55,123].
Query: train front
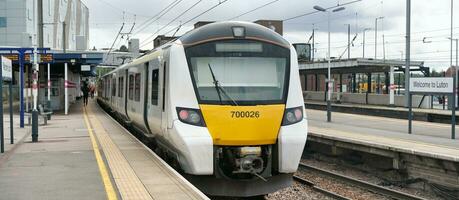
[246,82]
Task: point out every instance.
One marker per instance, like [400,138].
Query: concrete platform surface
[428,139]
[87,155]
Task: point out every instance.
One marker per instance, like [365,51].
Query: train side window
[154,86]
[114,87]
[137,87]
[120,86]
[131,87]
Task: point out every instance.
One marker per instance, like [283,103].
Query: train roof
[212,32]
[224,30]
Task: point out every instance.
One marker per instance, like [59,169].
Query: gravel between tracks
[297,191]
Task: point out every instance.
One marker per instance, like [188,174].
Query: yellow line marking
[128,183]
[111,194]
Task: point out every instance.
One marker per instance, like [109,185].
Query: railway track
[319,189]
[355,182]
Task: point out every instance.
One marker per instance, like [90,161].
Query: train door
[125,98]
[164,91]
[146,85]
[154,109]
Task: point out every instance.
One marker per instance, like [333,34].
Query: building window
[2,22]
[137,87]
[154,86]
[49,7]
[28,15]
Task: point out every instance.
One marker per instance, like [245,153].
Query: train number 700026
[245,114]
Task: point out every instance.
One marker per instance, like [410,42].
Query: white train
[223,102]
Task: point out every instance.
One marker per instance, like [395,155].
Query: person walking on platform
[85,90]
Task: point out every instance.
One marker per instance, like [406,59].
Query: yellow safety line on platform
[111,194]
[126,180]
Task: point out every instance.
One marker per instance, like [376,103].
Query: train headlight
[238,31]
[190,116]
[292,115]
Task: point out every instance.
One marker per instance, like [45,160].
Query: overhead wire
[170,22]
[157,16]
[253,10]
[191,19]
[114,41]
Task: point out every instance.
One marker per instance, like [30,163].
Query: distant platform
[87,155]
[427,153]
[428,115]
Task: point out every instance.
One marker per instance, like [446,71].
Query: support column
[386,82]
[368,87]
[354,82]
[49,86]
[391,87]
[66,90]
[305,82]
[316,79]
[21,89]
[340,82]
[326,87]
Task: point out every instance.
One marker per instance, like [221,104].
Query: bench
[42,113]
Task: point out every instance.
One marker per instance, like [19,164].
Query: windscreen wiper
[218,88]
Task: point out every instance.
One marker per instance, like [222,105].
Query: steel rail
[319,189]
[362,184]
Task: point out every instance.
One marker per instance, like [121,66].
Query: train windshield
[239,72]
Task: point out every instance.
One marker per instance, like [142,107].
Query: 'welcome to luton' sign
[432,85]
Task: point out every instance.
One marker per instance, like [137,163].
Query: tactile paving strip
[127,182]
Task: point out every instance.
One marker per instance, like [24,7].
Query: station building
[67,19]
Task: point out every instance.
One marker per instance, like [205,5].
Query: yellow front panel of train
[243,125]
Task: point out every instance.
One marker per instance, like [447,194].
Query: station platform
[87,155]
[419,114]
[427,150]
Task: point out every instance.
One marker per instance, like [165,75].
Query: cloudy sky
[430,23]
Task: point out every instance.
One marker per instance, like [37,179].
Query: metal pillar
[329,76]
[313,36]
[2,142]
[10,92]
[407,56]
[305,82]
[35,94]
[348,41]
[316,79]
[354,83]
[49,86]
[66,90]
[21,89]
[368,87]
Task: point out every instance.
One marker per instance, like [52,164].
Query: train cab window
[114,87]
[154,86]
[137,87]
[120,86]
[131,87]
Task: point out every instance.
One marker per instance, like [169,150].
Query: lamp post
[376,35]
[329,82]
[363,44]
